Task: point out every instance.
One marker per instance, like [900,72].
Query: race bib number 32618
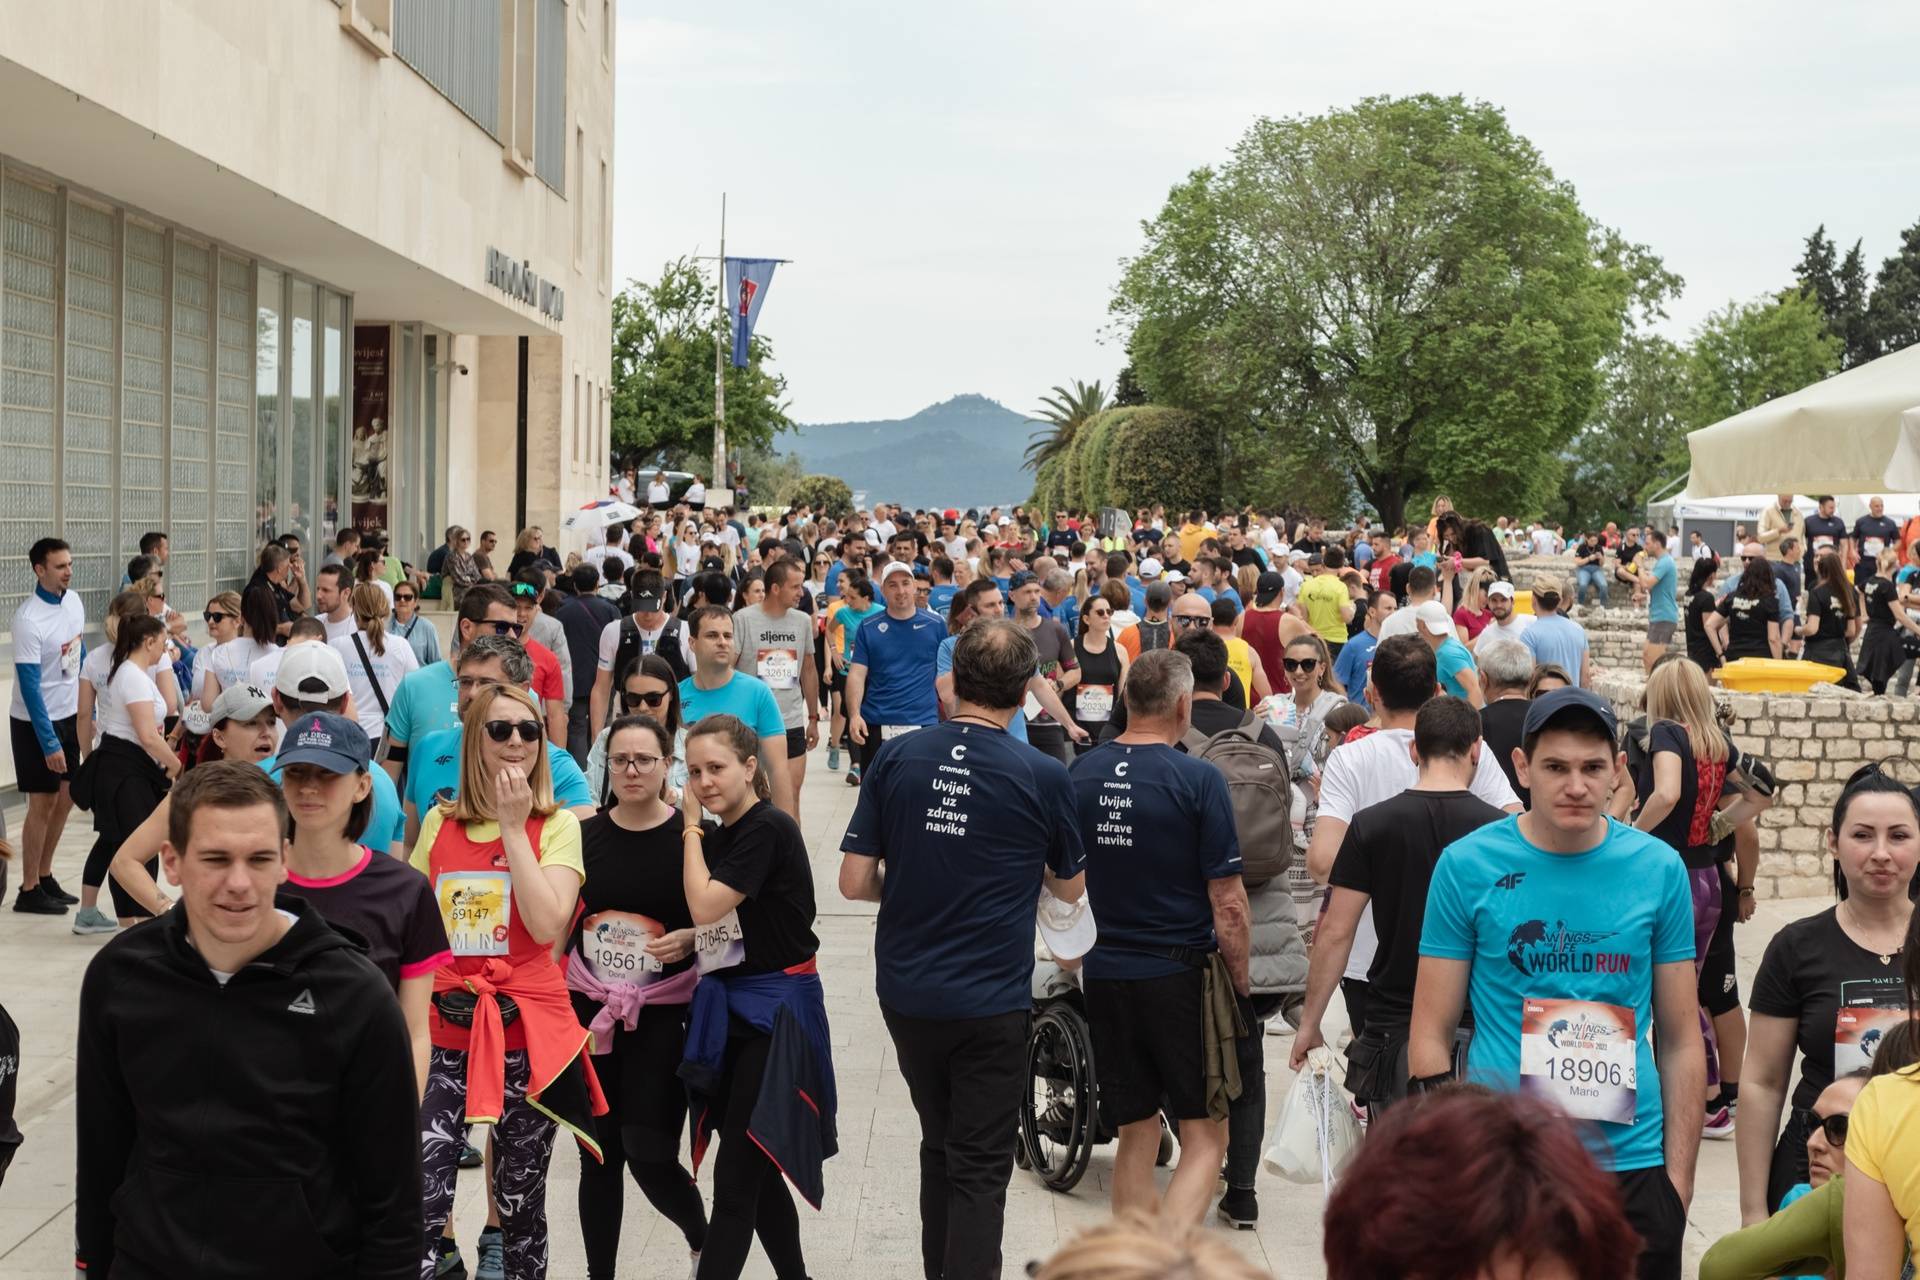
[1580,1056]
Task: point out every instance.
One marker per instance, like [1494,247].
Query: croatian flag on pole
[747,281]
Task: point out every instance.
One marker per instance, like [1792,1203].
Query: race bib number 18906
[1580,1056]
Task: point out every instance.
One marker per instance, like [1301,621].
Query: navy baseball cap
[1548,707]
[331,742]
[1021,579]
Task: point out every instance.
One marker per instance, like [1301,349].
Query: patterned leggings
[522,1148]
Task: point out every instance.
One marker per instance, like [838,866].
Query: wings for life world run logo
[1534,948]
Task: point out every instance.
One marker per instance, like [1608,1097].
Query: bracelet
[699,832]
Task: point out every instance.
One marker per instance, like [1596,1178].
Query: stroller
[1059,1114]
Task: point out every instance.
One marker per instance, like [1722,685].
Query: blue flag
[747,281]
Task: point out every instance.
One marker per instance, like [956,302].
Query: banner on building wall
[372,436]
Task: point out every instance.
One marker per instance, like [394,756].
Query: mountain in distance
[963,452]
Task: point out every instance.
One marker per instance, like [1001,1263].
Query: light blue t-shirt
[1350,668]
[943,665]
[1663,598]
[427,701]
[742,695]
[387,819]
[1560,640]
[433,773]
[1450,659]
[1547,926]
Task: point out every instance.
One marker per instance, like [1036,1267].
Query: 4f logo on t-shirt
[1511,880]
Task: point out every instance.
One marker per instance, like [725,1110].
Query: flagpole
[719,478]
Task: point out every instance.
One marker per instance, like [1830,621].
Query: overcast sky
[956,183]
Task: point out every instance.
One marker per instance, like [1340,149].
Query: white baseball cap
[1174,575]
[1066,928]
[896,567]
[1149,568]
[1501,589]
[1432,616]
[311,672]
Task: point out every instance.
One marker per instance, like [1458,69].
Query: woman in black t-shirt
[1833,619]
[1882,650]
[1827,983]
[1701,646]
[1749,618]
[1100,666]
[749,889]
[632,946]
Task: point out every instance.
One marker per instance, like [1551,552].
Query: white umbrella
[601,514]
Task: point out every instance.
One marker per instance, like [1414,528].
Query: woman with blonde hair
[1472,617]
[222,616]
[506,866]
[1314,692]
[1137,1247]
[375,659]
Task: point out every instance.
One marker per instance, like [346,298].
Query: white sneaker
[94,920]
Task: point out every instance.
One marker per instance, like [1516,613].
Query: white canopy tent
[1716,518]
[1856,432]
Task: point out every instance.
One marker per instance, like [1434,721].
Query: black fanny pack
[456,1008]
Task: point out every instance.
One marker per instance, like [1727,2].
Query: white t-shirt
[1376,768]
[131,684]
[231,664]
[1292,581]
[388,668]
[623,490]
[657,491]
[48,633]
[1494,632]
[1400,622]
[696,493]
[335,630]
[264,668]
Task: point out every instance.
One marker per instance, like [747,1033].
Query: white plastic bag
[1316,1133]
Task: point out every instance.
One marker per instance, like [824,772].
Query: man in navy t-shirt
[890,679]
[1163,872]
[957,830]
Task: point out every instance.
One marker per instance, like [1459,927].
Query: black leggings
[749,1193]
[130,788]
[667,1186]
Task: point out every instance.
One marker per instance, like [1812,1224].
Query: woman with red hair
[1474,1185]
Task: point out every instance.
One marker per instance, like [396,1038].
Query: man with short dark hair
[1350,669]
[584,615]
[715,688]
[1055,649]
[427,701]
[1555,638]
[48,647]
[332,602]
[346,545]
[957,832]
[1660,578]
[324,1176]
[1572,937]
[890,675]
[773,640]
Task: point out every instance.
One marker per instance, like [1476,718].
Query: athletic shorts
[1719,985]
[30,770]
[1660,632]
[1654,1210]
[796,743]
[839,682]
[1147,1050]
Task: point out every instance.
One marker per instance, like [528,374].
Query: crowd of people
[439,897]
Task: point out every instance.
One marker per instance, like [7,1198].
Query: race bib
[615,943]
[1096,702]
[1823,543]
[1031,708]
[70,657]
[888,732]
[779,668]
[1857,1033]
[1873,547]
[1580,1057]
[477,907]
[719,945]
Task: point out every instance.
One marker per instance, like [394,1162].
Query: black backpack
[668,648]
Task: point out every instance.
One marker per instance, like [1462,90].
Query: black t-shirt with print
[633,887]
[1810,971]
[1747,621]
[1823,604]
[1878,597]
[763,856]
[1699,646]
[1881,529]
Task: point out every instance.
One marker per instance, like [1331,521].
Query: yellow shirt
[1191,536]
[1238,659]
[1883,1141]
[559,840]
[1321,599]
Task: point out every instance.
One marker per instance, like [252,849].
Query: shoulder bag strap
[366,663]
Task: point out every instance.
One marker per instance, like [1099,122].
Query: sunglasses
[1099,613]
[632,700]
[505,628]
[399,596]
[1833,1126]
[501,730]
[211,616]
[1193,622]
[1299,664]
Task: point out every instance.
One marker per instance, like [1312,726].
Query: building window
[606,227]
[456,48]
[266,399]
[192,382]
[550,94]
[233,425]
[333,354]
[87,428]
[606,33]
[575,427]
[579,197]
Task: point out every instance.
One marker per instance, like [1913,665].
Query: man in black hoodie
[245,1091]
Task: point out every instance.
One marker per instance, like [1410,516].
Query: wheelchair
[1059,1112]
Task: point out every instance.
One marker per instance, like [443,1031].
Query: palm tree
[1063,412]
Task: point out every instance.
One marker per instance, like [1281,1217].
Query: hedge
[1162,455]
[828,495]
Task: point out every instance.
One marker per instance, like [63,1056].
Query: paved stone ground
[869,1224]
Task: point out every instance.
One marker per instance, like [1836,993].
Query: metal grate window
[87,431]
[143,390]
[233,426]
[29,258]
[192,389]
[550,95]
[455,46]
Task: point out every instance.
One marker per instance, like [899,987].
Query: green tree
[1163,455]
[1893,315]
[1748,353]
[1063,412]
[1127,391]
[1628,449]
[663,339]
[1841,293]
[1401,292]
[828,495]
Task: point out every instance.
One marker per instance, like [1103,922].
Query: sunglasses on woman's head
[501,730]
[1299,664]
[632,700]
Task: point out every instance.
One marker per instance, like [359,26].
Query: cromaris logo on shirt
[1534,948]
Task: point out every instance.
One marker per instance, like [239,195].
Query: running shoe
[491,1255]
[447,1264]
[55,892]
[833,759]
[853,780]
[470,1157]
[94,920]
[38,902]
[1239,1209]
[1719,1124]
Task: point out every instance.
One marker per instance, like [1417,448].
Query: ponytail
[744,743]
[132,633]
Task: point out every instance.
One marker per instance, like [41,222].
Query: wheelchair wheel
[1057,1118]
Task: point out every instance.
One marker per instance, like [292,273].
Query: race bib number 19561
[1579,1056]
[615,943]
[719,945]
